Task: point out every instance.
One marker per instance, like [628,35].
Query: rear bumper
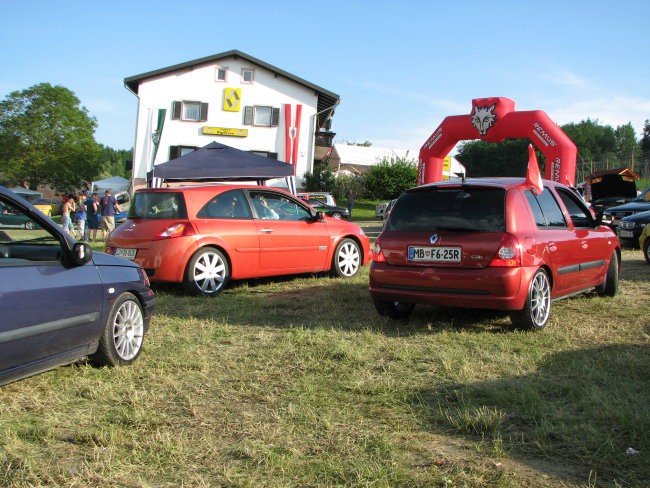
[491,288]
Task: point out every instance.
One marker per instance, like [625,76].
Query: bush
[390,178]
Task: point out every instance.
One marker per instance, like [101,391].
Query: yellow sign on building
[225,131]
[231,99]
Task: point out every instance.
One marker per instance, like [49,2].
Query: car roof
[209,189]
[505,183]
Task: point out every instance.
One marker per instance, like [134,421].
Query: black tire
[646,250]
[207,273]
[123,335]
[394,310]
[337,216]
[609,287]
[537,308]
[29,225]
[347,259]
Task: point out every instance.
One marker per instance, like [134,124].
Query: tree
[46,136]
[645,141]
[507,158]
[114,162]
[627,148]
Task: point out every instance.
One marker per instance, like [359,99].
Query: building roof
[326,99]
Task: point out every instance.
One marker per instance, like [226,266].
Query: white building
[234,99]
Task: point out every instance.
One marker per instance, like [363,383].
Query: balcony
[325,138]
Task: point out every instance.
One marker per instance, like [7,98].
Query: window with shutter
[204,112]
[176,110]
[275,117]
[249,113]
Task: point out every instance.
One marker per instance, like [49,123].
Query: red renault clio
[204,236]
[491,243]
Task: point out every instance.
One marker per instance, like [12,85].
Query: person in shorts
[108,206]
[93,217]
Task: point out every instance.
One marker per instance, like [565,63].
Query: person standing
[350,201]
[92,212]
[81,218]
[66,214]
[108,206]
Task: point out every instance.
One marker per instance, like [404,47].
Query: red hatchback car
[491,243]
[204,236]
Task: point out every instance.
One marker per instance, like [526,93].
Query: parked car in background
[613,215]
[205,236]
[644,243]
[10,218]
[324,197]
[330,210]
[380,210]
[49,206]
[60,301]
[611,187]
[630,228]
[491,243]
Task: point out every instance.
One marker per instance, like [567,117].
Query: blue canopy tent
[218,162]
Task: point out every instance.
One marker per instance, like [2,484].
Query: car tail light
[144,277]
[377,253]
[509,253]
[176,230]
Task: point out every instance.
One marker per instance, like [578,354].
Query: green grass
[298,382]
[364,210]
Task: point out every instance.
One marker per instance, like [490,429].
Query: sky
[400,67]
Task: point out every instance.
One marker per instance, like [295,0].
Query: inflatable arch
[493,120]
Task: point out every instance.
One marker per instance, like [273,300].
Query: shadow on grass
[318,302]
[581,411]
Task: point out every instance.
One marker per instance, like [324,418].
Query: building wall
[200,84]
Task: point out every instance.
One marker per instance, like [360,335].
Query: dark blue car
[60,302]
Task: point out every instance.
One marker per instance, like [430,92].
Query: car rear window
[466,209]
[163,205]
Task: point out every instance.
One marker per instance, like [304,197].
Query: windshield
[644,196]
[467,209]
[163,205]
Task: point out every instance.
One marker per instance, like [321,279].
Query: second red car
[204,236]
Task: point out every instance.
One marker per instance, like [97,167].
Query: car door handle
[266,231]
[584,244]
[551,246]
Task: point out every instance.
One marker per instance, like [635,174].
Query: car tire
[337,215]
[646,250]
[207,273]
[609,287]
[29,225]
[394,310]
[121,340]
[347,259]
[537,308]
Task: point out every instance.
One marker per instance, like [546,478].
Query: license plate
[434,254]
[627,233]
[126,253]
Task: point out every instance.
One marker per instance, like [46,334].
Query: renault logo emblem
[434,238]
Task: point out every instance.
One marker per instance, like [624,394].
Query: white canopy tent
[115,183]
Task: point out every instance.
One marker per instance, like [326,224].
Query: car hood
[103,259]
[642,217]
[613,186]
[632,206]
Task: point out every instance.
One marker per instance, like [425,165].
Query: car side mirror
[316,216]
[81,253]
